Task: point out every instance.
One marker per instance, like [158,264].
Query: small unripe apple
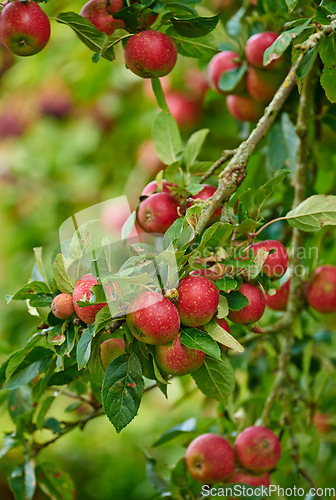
[257,449]
[262,84]
[62,306]
[256,46]
[321,289]
[110,349]
[278,301]
[175,358]
[157,213]
[276,263]
[255,308]
[152,318]
[206,193]
[150,54]
[99,12]
[152,188]
[82,292]
[244,108]
[24,28]
[221,63]
[186,112]
[210,459]
[198,300]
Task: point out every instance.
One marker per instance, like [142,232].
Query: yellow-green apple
[110,349]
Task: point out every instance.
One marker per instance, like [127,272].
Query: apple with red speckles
[158,212]
[257,449]
[62,306]
[175,358]
[243,108]
[150,54]
[152,318]
[210,459]
[221,63]
[110,349]
[276,263]
[198,300]
[100,13]
[255,308]
[321,289]
[82,292]
[24,28]
[278,301]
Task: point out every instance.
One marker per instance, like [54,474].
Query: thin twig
[226,155]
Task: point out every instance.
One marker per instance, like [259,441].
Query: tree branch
[226,155]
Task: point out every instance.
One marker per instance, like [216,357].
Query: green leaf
[201,48]
[263,193]
[33,364]
[155,479]
[222,336]
[84,347]
[39,264]
[186,427]
[34,288]
[128,226]
[328,77]
[195,27]
[122,390]
[314,213]
[95,365]
[282,42]
[81,245]
[19,401]
[103,319]
[55,483]
[196,339]
[231,79]
[63,281]
[167,138]
[10,441]
[194,146]
[47,402]
[223,307]
[215,379]
[291,4]
[22,481]
[16,359]
[307,62]
[216,235]
[226,284]
[70,332]
[159,94]
[236,300]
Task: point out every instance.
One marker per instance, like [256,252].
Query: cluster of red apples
[247,100]
[210,459]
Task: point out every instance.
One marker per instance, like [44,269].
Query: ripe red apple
[186,111]
[157,213]
[198,300]
[244,477]
[255,308]
[150,54]
[24,28]
[256,46]
[110,349]
[276,263]
[210,459]
[175,358]
[206,193]
[257,449]
[152,188]
[62,306]
[221,63]
[321,289]
[262,84]
[278,301]
[99,12]
[152,318]
[82,292]
[244,108]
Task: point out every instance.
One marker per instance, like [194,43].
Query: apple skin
[278,301]
[276,263]
[254,310]
[24,28]
[110,349]
[175,358]
[210,459]
[157,213]
[83,288]
[152,318]
[99,12]
[62,306]
[321,289]
[256,46]
[152,188]
[186,112]
[243,477]
[206,193]
[262,84]
[198,300]
[219,64]
[150,54]
[244,108]
[257,449]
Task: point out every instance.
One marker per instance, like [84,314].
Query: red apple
[198,300]
[175,358]
[321,289]
[244,108]
[255,308]
[157,213]
[150,54]
[244,477]
[276,263]
[256,46]
[210,459]
[278,301]
[24,28]
[262,84]
[99,12]
[82,292]
[186,111]
[221,63]
[152,318]
[152,188]
[62,306]
[321,422]
[257,449]
[206,193]
[110,349]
